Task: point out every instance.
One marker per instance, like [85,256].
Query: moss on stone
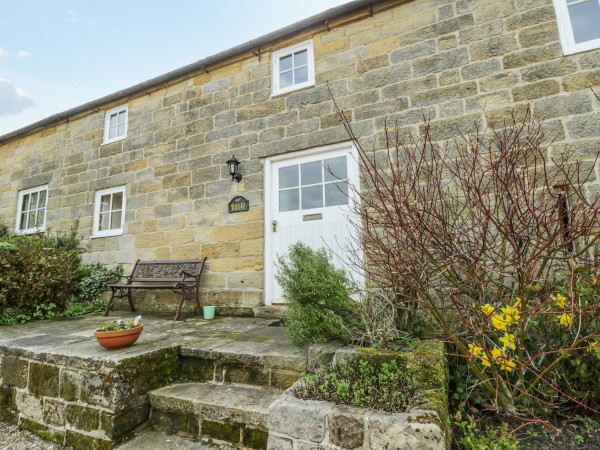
[196,369]
[84,442]
[43,431]
[83,418]
[225,431]
[255,438]
[43,380]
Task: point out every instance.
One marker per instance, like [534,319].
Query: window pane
[113,120]
[40,218]
[32,219]
[115,220]
[288,177]
[103,222]
[25,205]
[288,200]
[301,75]
[300,58]
[286,79]
[122,116]
[121,131]
[23,225]
[285,63]
[311,173]
[42,202]
[337,166]
[336,193]
[34,199]
[112,132]
[105,203]
[117,201]
[585,19]
[312,197]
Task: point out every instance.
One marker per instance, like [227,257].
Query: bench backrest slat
[166,270]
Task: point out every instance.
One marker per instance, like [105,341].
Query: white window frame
[308,46]
[22,194]
[111,112]
[113,232]
[565,31]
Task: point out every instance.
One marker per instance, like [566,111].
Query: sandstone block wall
[445,58]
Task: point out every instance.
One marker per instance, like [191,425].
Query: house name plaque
[238,204]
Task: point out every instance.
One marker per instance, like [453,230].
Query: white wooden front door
[306,200]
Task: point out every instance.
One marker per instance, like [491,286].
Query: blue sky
[58,54]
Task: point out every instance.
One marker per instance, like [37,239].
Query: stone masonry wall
[446,58]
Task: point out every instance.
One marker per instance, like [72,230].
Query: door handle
[274,226]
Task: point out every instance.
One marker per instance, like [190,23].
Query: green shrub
[318,296]
[387,388]
[92,284]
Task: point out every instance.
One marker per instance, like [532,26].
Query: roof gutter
[321,18]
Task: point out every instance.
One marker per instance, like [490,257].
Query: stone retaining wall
[307,424]
[77,402]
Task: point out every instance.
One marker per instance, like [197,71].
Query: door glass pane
[115,220]
[310,173]
[121,131]
[336,193]
[285,79]
[300,58]
[288,200]
[104,218]
[301,75]
[312,197]
[105,203]
[337,166]
[585,19]
[288,177]
[285,63]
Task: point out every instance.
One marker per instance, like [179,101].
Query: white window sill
[107,234]
[296,89]
[120,138]
[31,231]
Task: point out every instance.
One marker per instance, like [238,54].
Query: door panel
[308,201]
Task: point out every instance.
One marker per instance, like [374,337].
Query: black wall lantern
[233,169]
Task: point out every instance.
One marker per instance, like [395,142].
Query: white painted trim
[565,30]
[269,192]
[22,194]
[96,233]
[310,58]
[109,113]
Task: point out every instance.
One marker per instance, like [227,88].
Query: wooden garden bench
[181,275]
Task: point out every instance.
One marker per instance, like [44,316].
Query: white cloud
[13,99]
[3,52]
[23,54]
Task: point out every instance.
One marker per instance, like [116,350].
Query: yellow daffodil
[512,314]
[565,319]
[560,301]
[499,322]
[487,309]
[593,346]
[475,350]
[485,360]
[509,341]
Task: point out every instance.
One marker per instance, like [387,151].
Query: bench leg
[198,308]
[109,302]
[178,313]
[130,301]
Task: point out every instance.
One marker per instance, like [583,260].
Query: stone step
[159,440]
[225,413]
[258,357]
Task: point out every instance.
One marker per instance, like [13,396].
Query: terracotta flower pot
[117,340]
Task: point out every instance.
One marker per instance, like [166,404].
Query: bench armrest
[185,275]
[127,277]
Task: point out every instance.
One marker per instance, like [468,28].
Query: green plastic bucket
[209,312]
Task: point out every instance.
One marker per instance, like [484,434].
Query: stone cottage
[143,173]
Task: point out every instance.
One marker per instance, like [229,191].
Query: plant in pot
[119,334]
